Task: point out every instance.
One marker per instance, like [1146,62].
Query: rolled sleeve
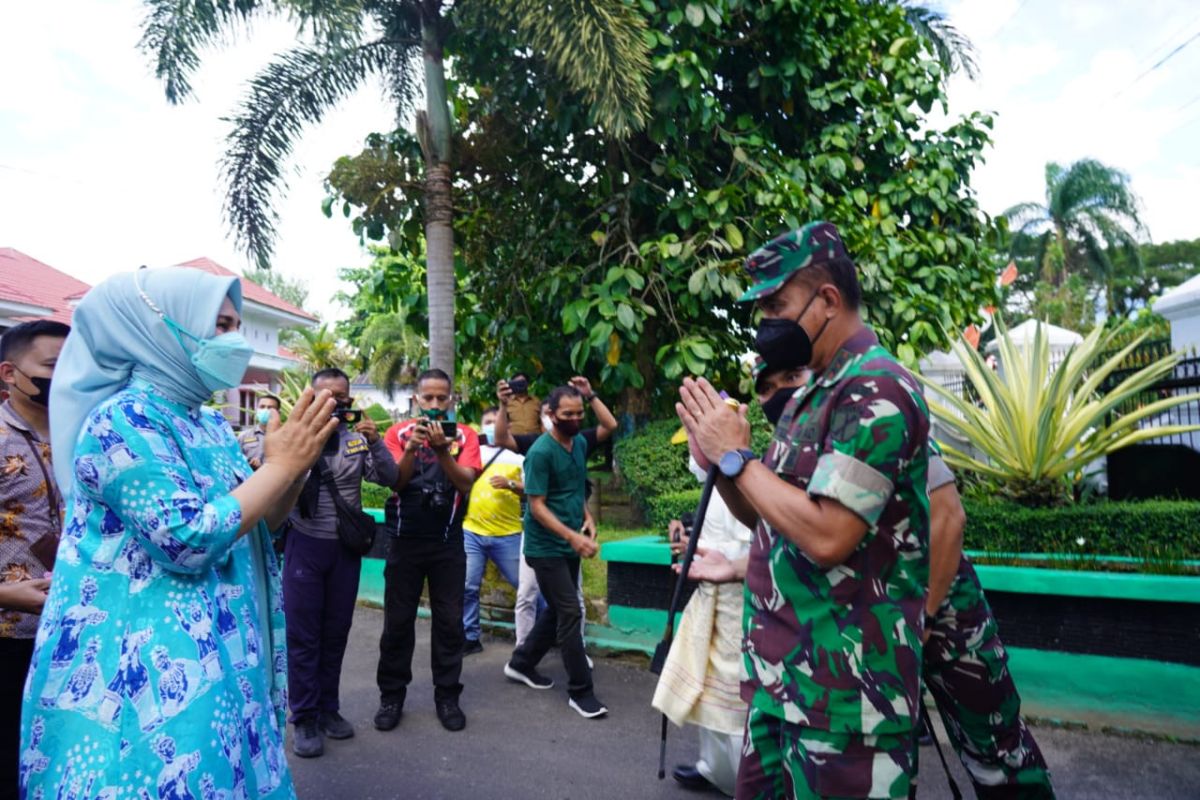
[855,484]
[939,473]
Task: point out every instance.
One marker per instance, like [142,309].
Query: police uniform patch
[355,446]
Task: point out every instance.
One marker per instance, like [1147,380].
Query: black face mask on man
[567,427]
[773,406]
[42,398]
[783,343]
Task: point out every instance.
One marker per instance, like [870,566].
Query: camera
[436,498]
[350,416]
[688,518]
[518,385]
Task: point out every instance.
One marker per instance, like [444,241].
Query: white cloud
[100,174]
[1063,79]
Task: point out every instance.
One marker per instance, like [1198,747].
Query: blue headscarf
[115,335]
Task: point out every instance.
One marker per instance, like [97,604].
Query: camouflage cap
[771,265]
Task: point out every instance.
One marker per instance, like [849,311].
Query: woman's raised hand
[295,444]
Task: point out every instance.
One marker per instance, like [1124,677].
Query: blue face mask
[221,361]
[263,416]
[489,431]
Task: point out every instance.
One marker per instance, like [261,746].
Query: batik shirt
[159,668]
[839,649]
[29,512]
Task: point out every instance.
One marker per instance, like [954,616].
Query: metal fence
[1185,379]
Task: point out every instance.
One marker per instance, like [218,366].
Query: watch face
[732,463]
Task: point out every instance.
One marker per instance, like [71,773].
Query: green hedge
[1154,529]
[374,496]
[651,466]
[1144,529]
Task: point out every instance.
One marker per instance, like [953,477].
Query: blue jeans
[505,553]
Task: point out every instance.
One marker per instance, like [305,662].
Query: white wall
[261,332]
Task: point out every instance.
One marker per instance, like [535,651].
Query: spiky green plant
[1038,426]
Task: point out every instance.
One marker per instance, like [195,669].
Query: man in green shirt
[555,540]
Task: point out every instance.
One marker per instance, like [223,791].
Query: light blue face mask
[489,431]
[263,416]
[220,362]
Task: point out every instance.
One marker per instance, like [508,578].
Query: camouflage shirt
[964,618]
[840,649]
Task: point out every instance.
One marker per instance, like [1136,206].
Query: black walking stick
[928,725]
[664,647]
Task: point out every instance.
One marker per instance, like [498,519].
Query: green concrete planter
[1114,649]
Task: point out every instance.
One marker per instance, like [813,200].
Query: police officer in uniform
[837,571]
[251,439]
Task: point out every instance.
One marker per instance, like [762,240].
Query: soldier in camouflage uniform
[965,665]
[836,577]
[966,670]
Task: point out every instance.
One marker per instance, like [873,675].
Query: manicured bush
[663,508]
[1167,529]
[651,466]
[374,496]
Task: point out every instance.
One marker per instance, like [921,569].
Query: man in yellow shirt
[492,528]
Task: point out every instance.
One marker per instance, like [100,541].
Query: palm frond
[174,31]
[596,47]
[954,51]
[295,90]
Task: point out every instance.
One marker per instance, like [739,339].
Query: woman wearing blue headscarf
[159,667]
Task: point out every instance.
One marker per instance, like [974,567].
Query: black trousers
[411,562]
[14,664]
[559,624]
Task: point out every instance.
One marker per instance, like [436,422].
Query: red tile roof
[250,290]
[41,284]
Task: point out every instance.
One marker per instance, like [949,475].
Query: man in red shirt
[438,462]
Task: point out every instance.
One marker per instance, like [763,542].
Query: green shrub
[1142,529]
[663,508]
[383,420]
[1156,531]
[652,466]
[374,496]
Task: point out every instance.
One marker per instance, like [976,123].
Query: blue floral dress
[159,669]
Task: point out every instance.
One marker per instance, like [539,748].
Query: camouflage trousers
[966,670]
[784,760]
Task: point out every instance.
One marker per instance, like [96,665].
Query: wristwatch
[589,398]
[733,462]
[512,485]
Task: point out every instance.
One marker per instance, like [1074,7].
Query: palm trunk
[434,130]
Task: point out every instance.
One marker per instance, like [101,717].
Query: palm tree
[391,351]
[1090,212]
[318,349]
[594,46]
[954,51]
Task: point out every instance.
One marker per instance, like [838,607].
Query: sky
[99,174]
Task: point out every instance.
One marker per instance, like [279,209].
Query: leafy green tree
[1090,213]
[622,258]
[293,290]
[594,47]
[1162,266]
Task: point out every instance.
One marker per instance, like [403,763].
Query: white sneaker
[588,706]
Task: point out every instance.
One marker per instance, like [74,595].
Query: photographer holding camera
[522,409]
[321,572]
[438,462]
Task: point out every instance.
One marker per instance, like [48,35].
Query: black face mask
[42,398]
[774,405]
[783,343]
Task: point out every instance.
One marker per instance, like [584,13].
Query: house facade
[31,289]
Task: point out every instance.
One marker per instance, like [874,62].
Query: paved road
[521,744]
